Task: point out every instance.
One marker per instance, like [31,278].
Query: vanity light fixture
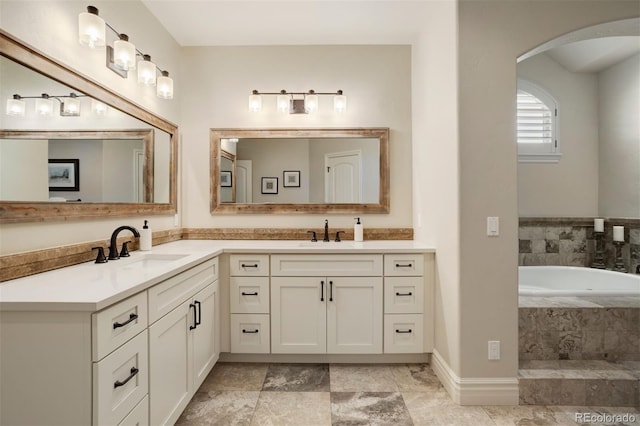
[297,102]
[44,105]
[98,108]
[123,56]
[69,104]
[91,28]
[16,106]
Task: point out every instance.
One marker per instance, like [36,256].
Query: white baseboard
[476,391]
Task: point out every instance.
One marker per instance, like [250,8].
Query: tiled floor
[347,394]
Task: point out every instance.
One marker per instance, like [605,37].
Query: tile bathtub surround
[571,242]
[576,333]
[410,395]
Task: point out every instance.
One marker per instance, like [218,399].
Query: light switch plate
[493,226]
[494,349]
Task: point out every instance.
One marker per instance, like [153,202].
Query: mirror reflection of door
[343,177]
[244,179]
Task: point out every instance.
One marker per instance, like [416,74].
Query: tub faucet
[638,269]
[326,231]
[113,247]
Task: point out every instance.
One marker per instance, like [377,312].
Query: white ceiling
[289,22]
[595,55]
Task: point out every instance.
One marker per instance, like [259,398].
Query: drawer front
[403,295]
[120,381]
[249,265]
[403,334]
[172,292]
[115,325]
[398,265]
[139,416]
[250,334]
[249,295]
[341,265]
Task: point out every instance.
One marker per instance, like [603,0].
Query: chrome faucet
[326,231]
[113,247]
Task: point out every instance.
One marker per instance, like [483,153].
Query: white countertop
[92,287]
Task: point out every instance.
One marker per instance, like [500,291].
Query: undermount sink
[153,260]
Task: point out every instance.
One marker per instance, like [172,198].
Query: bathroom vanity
[130,341]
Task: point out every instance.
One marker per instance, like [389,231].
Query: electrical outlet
[494,349]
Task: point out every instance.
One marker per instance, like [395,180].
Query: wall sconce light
[287,101]
[122,57]
[69,104]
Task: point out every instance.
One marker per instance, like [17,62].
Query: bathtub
[575,281]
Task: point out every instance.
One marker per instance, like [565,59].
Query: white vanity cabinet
[182,339]
[249,303]
[136,362]
[326,304]
[404,302]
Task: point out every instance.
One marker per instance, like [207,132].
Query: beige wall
[216,96]
[492,34]
[619,94]
[52,27]
[568,188]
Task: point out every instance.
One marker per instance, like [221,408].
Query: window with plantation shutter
[537,118]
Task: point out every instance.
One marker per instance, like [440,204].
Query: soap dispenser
[145,237]
[357,231]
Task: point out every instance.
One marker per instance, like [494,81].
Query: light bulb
[255,102]
[165,86]
[15,106]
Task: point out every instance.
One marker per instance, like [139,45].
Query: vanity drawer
[250,334]
[397,265]
[403,334]
[120,381]
[172,292]
[115,325]
[341,265]
[249,265]
[249,295]
[403,295]
[139,416]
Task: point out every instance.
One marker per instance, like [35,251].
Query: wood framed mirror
[305,170]
[158,193]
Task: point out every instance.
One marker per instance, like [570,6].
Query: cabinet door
[354,315]
[205,353]
[170,375]
[298,315]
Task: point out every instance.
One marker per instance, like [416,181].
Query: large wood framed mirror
[300,171]
[127,157]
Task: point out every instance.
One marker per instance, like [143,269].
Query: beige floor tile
[223,408]
[437,409]
[235,376]
[526,415]
[362,378]
[415,378]
[292,409]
